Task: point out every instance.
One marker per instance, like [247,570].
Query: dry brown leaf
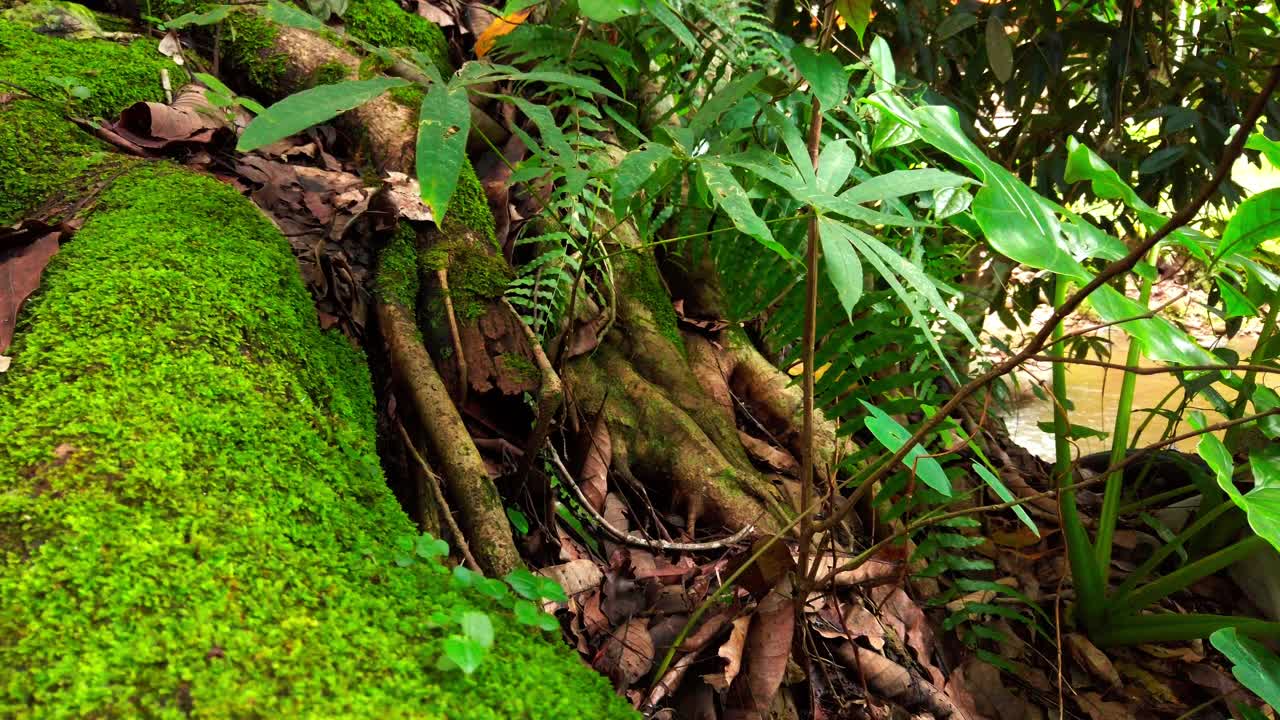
[767,650]
[1093,660]
[731,651]
[189,120]
[628,653]
[170,47]
[595,469]
[771,456]
[575,576]
[900,612]
[20,271]
[978,683]
[405,195]
[1099,709]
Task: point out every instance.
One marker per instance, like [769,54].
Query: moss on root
[383,22]
[117,76]
[397,277]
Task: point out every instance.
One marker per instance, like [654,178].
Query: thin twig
[463,378]
[434,481]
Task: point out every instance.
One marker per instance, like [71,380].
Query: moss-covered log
[193,521]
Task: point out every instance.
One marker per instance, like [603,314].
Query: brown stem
[443,276]
[1123,265]
[550,395]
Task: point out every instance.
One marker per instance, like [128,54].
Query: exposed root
[460,355]
[434,481]
[484,520]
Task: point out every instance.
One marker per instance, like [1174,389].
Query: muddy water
[1095,392]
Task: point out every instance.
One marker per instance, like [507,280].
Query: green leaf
[673,23]
[835,163]
[950,201]
[1256,667]
[856,13]
[465,577]
[312,107]
[825,74]
[1255,221]
[843,266]
[428,547]
[477,628]
[1265,145]
[443,123]
[518,520]
[731,198]
[1234,302]
[999,49]
[493,588]
[488,73]
[291,16]
[882,65]
[723,100]
[1161,159]
[607,11]
[1003,493]
[954,23]
[893,436]
[1215,454]
[636,169]
[465,654]
[898,183]
[215,14]
[1265,399]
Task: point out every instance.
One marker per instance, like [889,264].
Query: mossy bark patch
[193,519]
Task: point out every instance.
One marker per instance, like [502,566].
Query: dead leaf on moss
[20,271]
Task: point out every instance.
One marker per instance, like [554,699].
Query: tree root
[484,520]
[434,481]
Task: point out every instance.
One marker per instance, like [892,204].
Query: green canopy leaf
[312,107]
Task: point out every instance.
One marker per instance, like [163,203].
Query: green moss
[397,276]
[330,73]
[521,366]
[646,286]
[192,512]
[476,278]
[469,207]
[116,75]
[382,22]
[253,50]
[40,153]
[410,97]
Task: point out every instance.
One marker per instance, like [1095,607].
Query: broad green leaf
[1256,667]
[722,100]
[882,65]
[999,49]
[856,13]
[1160,339]
[1266,468]
[731,198]
[475,73]
[443,123]
[839,206]
[898,183]
[890,133]
[949,201]
[428,547]
[824,73]
[636,169]
[1255,221]
[464,653]
[607,11]
[519,522]
[477,627]
[213,15]
[1264,400]
[310,107]
[954,23]
[1161,159]
[1265,145]
[291,16]
[893,436]
[843,266]
[214,84]
[1211,449]
[1016,221]
[1234,302]
[834,165]
[796,146]
[1003,493]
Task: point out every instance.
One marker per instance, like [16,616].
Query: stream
[1095,392]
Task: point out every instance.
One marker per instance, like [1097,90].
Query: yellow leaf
[497,29]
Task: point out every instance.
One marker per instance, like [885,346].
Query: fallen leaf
[979,683]
[767,650]
[405,195]
[499,27]
[1099,709]
[767,454]
[1093,660]
[628,653]
[731,651]
[575,576]
[20,271]
[595,469]
[171,48]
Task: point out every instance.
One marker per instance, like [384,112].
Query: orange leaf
[497,29]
